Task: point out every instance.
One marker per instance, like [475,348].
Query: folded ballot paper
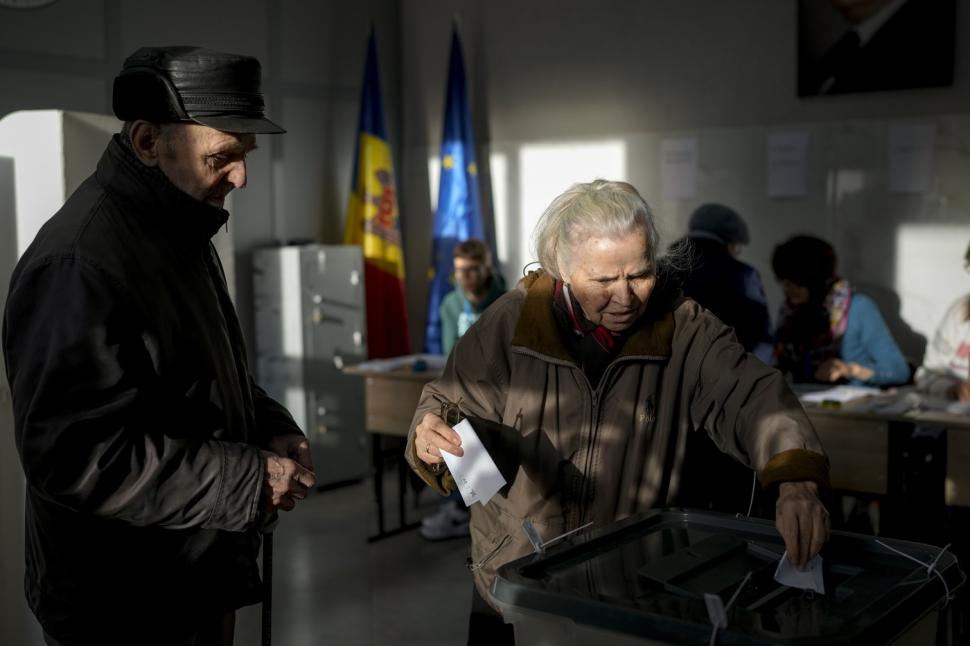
[475,473]
[808,579]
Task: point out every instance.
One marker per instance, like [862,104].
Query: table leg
[914,508]
[377,456]
[402,490]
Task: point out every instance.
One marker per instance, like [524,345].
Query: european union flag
[459,213]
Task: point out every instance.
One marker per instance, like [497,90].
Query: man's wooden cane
[267,620]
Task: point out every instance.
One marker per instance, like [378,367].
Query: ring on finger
[427,449]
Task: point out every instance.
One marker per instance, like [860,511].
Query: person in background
[730,289]
[587,379]
[946,368]
[153,461]
[828,332]
[476,287]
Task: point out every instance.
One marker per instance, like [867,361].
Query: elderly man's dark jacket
[137,421]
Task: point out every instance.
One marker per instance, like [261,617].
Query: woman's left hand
[835,369]
[802,521]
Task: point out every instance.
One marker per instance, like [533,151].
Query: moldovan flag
[459,213]
[372,222]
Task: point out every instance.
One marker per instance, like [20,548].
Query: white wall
[543,73]
[35,140]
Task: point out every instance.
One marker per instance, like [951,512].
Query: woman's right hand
[832,370]
[432,436]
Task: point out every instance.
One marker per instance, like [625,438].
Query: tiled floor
[332,587]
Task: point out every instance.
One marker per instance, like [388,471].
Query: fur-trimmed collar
[537,330]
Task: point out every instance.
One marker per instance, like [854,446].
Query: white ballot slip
[475,473]
[808,579]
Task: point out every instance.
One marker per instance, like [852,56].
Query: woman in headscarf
[828,332]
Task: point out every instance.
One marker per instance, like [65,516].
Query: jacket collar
[537,330]
[154,196]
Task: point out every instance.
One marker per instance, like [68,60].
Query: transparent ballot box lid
[646,577]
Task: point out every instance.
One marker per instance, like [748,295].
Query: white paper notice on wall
[678,157]
[475,473]
[912,148]
[788,164]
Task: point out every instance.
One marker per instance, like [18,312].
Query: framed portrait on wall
[847,46]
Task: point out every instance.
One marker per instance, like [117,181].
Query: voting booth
[653,579]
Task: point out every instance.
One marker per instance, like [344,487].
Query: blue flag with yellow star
[459,213]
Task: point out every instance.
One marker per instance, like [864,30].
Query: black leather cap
[215,89]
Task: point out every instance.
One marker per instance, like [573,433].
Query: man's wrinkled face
[204,162]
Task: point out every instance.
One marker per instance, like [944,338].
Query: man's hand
[801,520]
[432,436]
[288,474]
[293,446]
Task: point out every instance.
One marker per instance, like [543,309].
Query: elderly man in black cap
[152,459]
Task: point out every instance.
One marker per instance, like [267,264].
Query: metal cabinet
[310,324]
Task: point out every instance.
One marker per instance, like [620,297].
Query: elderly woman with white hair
[591,379]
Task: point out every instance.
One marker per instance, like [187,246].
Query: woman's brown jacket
[576,454]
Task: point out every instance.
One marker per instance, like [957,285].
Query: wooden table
[868,457]
[859,445]
[390,400]
[858,450]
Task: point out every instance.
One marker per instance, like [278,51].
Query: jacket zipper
[586,485]
[579,514]
[473,566]
[596,394]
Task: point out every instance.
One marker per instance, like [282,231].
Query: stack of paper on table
[840,394]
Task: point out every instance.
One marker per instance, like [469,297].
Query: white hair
[598,208]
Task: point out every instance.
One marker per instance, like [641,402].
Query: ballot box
[644,581]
